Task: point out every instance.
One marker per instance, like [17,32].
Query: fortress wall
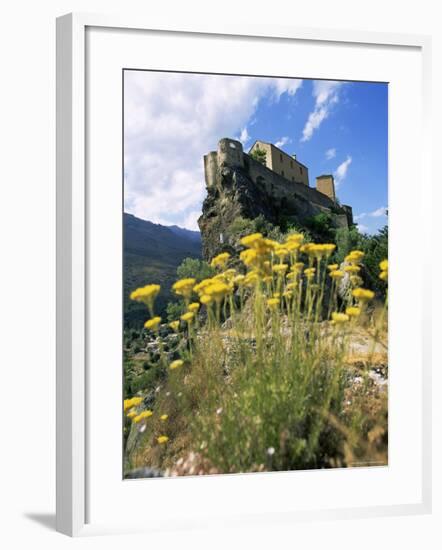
[281,188]
[210,168]
[230,153]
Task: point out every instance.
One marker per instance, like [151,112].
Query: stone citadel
[239,185]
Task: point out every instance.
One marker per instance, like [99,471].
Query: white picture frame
[74,475]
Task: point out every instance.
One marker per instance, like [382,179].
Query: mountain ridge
[151,254]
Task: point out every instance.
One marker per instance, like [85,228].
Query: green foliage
[193,267]
[347,240]
[241,227]
[321,226]
[375,248]
[174,310]
[259,155]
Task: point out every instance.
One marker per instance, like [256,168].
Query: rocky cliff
[240,187]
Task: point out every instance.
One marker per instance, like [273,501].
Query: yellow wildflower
[249,256]
[355,257]
[309,272]
[288,294]
[194,307]
[184,287]
[174,325]
[362,294]
[384,270]
[383,266]
[252,241]
[152,323]
[131,414]
[200,287]
[162,439]
[320,250]
[218,290]
[188,317]
[306,248]
[332,267]
[273,303]
[206,299]
[291,246]
[298,266]
[352,268]
[239,280]
[295,237]
[336,274]
[133,402]
[142,416]
[353,311]
[220,260]
[339,318]
[251,278]
[146,294]
[280,269]
[281,252]
[176,364]
[164,417]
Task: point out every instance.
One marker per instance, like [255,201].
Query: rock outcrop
[238,186]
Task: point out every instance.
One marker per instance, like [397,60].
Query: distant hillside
[152,252]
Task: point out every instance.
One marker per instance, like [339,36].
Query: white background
[28,303]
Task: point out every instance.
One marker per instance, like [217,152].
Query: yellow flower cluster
[142,416]
[339,318]
[176,364]
[363,295]
[184,287]
[132,402]
[188,317]
[220,260]
[146,295]
[353,311]
[153,323]
[355,257]
[162,439]
[383,266]
[174,325]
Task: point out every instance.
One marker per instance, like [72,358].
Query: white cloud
[285,85]
[244,136]
[171,121]
[330,153]
[359,216]
[363,228]
[326,94]
[341,171]
[283,141]
[379,212]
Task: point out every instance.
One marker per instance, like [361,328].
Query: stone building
[281,163]
[326,184]
[238,186]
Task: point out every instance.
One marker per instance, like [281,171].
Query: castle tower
[326,185]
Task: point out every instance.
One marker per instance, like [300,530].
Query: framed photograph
[237,312]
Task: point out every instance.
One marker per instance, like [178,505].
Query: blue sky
[172,120]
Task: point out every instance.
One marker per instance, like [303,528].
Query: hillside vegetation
[277,362]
